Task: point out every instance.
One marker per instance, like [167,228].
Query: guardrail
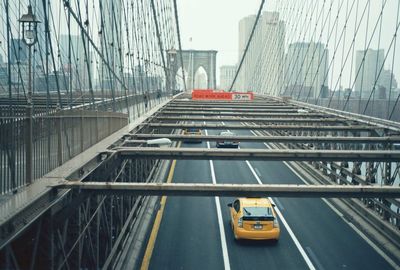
[57,137]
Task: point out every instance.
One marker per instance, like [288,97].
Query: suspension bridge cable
[248,44]
[179,42]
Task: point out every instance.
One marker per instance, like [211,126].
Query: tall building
[245,26]
[226,75]
[39,49]
[3,76]
[77,67]
[112,39]
[19,51]
[368,64]
[306,70]
[1,59]
[262,69]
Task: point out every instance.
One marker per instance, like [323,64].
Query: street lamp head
[29,24]
[172,52]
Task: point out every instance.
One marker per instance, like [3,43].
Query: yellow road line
[157,222]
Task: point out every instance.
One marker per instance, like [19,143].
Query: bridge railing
[57,137]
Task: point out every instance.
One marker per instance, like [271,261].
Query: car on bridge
[227,143]
[254,218]
[192,131]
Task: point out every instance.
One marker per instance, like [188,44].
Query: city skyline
[197,33]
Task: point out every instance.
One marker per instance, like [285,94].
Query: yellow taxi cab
[254,218]
[192,131]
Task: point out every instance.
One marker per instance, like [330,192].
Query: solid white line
[360,233]
[315,258]
[291,233]
[334,209]
[279,204]
[225,254]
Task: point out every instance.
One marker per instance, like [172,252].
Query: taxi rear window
[257,213]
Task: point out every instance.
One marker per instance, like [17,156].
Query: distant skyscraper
[19,51]
[226,75]
[78,65]
[245,26]
[112,38]
[306,70]
[1,58]
[368,71]
[262,68]
[39,50]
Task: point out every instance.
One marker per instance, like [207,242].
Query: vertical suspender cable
[179,43]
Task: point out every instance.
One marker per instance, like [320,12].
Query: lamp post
[29,36]
[172,58]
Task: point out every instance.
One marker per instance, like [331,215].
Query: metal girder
[241,114]
[266,127]
[270,106]
[258,154]
[278,109]
[255,119]
[225,102]
[236,190]
[364,119]
[268,139]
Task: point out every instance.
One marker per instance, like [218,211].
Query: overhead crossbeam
[263,127]
[217,106]
[241,114]
[235,190]
[229,102]
[258,154]
[274,139]
[235,109]
[255,119]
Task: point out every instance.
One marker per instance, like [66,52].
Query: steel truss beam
[236,190]
[266,127]
[241,114]
[275,139]
[229,103]
[277,109]
[258,154]
[255,119]
[217,106]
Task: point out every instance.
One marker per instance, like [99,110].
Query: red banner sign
[209,94]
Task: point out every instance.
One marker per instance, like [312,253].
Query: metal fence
[57,137]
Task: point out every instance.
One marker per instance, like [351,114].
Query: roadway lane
[189,236]
[253,254]
[328,239]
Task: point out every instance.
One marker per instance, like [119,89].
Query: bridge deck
[14,205]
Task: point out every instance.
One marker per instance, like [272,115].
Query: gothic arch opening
[200,78]
[192,60]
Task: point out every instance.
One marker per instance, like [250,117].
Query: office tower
[306,70]
[262,69]
[226,75]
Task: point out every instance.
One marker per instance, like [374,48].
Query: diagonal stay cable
[247,45]
[67,6]
[179,42]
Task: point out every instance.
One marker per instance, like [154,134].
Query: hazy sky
[213,24]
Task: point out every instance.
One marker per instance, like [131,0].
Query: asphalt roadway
[193,235]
